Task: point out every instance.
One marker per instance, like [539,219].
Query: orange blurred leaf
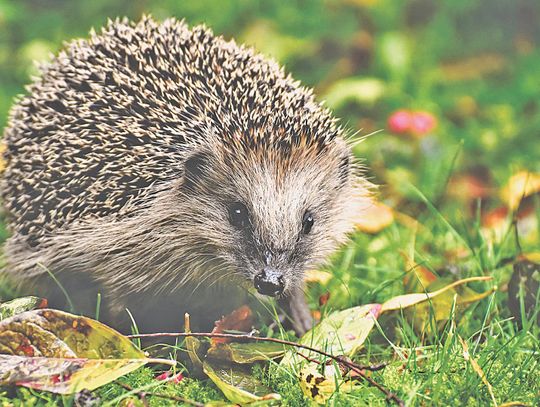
[375,218]
[317,276]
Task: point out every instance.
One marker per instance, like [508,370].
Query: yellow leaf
[317,276]
[316,386]
[238,384]
[520,186]
[408,300]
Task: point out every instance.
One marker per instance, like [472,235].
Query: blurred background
[448,90]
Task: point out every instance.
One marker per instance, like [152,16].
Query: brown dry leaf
[469,187]
[375,218]
[240,319]
[476,367]
[519,186]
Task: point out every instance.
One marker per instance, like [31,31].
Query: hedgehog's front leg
[297,311]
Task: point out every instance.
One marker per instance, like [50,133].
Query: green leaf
[340,333]
[362,91]
[244,353]
[238,384]
[18,305]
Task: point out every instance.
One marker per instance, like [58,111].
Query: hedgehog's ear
[196,167]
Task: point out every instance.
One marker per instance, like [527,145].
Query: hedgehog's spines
[117,115]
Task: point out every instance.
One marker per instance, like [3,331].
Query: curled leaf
[408,300]
[18,305]
[240,319]
[238,384]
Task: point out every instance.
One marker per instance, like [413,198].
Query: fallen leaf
[64,353]
[408,300]
[240,319]
[64,375]
[519,186]
[18,305]
[238,384]
[317,276]
[417,277]
[318,386]
[245,353]
[323,299]
[360,90]
[375,218]
[340,333]
[474,67]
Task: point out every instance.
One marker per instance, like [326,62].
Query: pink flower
[422,123]
[177,378]
[400,121]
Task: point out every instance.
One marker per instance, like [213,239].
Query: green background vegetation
[475,66]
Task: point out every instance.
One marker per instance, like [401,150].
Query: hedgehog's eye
[307,222]
[238,215]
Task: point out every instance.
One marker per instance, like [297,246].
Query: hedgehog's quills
[169,170]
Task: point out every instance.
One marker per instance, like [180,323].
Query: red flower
[400,121]
[423,123]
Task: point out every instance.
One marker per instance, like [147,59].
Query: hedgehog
[169,170]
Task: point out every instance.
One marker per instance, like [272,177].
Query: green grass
[474,66]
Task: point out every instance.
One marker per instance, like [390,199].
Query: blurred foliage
[472,63]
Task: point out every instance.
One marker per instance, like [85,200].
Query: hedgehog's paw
[298,314]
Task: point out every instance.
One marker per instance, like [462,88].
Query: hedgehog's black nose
[269,282]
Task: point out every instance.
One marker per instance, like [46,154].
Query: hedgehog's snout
[269,282]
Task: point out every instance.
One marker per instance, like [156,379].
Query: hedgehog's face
[271,217]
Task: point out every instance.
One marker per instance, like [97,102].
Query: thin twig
[142,396]
[340,359]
